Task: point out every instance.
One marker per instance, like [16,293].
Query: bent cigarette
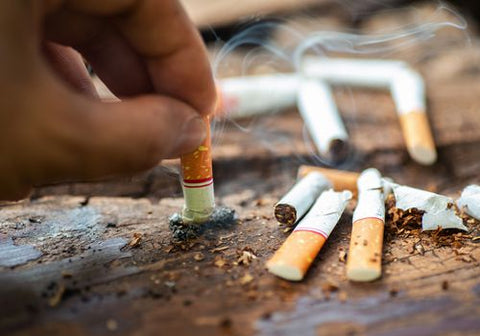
[297,253]
[197,183]
[295,204]
[372,73]
[365,252]
[253,95]
[318,110]
[408,93]
[340,179]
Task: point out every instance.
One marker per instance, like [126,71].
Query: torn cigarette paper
[439,210]
[470,201]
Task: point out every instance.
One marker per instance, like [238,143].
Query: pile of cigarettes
[310,90]
[317,201]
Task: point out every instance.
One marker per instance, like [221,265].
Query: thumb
[91,139]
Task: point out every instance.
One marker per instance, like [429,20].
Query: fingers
[69,65]
[151,47]
[89,139]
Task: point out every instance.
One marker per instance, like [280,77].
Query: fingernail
[191,136]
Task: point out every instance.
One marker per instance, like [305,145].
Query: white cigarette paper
[199,201]
[318,110]
[438,209]
[470,201]
[325,213]
[371,200]
[295,204]
[253,95]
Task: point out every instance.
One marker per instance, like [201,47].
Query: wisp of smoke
[272,55]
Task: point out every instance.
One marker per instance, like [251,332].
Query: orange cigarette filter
[418,137]
[340,179]
[197,182]
[365,253]
[297,253]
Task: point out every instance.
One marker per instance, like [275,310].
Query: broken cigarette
[340,179]
[248,96]
[297,253]
[439,211]
[317,108]
[197,182]
[295,204]
[365,253]
[408,93]
[470,201]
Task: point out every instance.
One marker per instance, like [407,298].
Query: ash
[221,218]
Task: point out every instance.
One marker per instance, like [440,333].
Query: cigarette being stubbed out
[197,183]
[297,253]
[295,204]
[320,113]
[365,253]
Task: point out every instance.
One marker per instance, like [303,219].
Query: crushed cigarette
[470,201]
[295,204]
[365,253]
[297,253]
[438,210]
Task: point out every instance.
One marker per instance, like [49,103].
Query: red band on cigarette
[199,180]
[313,230]
[198,185]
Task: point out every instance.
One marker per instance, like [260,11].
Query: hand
[52,125]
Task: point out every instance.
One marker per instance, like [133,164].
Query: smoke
[260,54]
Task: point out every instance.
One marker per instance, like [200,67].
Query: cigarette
[438,209]
[365,253]
[408,93]
[295,204]
[406,86]
[340,179]
[197,182]
[249,96]
[317,108]
[297,253]
[470,201]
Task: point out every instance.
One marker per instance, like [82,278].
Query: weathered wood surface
[89,281]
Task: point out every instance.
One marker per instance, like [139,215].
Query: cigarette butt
[322,119]
[365,253]
[418,137]
[295,256]
[297,253]
[197,183]
[340,179]
[295,204]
